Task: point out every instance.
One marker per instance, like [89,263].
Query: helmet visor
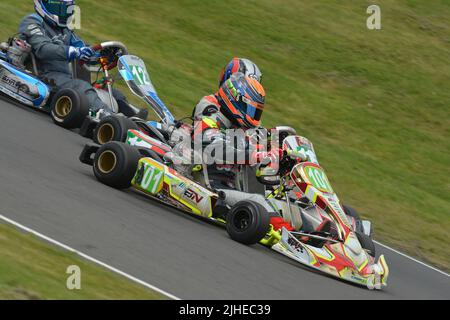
[61,8]
[254,113]
[251,108]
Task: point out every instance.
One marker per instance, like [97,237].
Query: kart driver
[238,104]
[55,46]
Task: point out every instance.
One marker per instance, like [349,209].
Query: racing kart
[20,80]
[327,236]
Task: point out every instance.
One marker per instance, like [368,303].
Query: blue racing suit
[50,45]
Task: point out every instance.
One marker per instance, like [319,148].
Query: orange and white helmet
[242,65]
[241,100]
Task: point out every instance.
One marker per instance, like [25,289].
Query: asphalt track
[44,187]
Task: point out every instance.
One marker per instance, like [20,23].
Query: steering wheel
[267,178]
[107,56]
[271,176]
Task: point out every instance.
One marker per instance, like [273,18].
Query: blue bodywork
[40,90]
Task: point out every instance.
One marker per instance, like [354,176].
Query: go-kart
[327,236]
[20,80]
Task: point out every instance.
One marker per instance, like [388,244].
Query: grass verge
[33,269]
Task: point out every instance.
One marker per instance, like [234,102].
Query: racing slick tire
[113,128]
[69,108]
[247,222]
[115,164]
[349,211]
[367,243]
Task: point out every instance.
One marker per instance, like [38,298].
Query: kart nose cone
[380,274]
[385,270]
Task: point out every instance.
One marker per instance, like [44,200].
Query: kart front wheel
[247,222]
[115,164]
[113,128]
[349,211]
[366,243]
[69,108]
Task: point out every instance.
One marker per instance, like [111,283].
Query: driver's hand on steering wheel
[83,53]
[265,158]
[273,155]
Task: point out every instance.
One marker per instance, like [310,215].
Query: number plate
[149,176]
[317,178]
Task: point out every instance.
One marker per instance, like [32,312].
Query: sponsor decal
[36,32]
[15,83]
[192,195]
[357,278]
[189,193]
[295,245]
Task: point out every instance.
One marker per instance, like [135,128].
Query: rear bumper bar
[86,155]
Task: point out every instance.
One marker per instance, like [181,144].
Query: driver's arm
[227,149]
[208,136]
[43,46]
[76,42]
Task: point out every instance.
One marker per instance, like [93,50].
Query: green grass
[375,103]
[32,269]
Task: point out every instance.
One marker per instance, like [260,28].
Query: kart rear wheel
[115,164]
[69,108]
[113,128]
[247,222]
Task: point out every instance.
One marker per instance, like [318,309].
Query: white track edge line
[87,257]
[413,259]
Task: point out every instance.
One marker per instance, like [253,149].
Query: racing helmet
[56,12]
[244,66]
[241,100]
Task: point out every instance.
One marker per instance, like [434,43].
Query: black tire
[113,128]
[351,212]
[152,154]
[247,222]
[115,164]
[367,243]
[69,108]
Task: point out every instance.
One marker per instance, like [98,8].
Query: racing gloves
[83,53]
[274,155]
